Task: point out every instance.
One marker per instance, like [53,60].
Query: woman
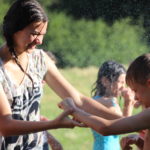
[20,78]
[23,67]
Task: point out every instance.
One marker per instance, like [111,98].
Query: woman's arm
[64,89]
[109,127]
[9,126]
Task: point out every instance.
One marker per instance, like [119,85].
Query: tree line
[86,32]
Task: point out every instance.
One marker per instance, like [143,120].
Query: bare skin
[26,41]
[51,140]
[112,127]
[131,139]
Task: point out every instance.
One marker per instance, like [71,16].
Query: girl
[109,86]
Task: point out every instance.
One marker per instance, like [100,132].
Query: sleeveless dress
[24,101]
[101,142]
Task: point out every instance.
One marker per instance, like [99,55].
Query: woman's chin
[30,50]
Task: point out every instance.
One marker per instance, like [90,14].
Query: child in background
[138,78]
[109,86]
[49,139]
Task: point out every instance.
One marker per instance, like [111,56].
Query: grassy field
[77,138]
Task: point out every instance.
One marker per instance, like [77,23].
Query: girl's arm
[109,127]
[128,96]
[53,142]
[64,89]
[9,126]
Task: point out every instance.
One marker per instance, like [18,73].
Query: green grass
[77,138]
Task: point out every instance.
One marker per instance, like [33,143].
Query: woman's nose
[39,40]
[136,98]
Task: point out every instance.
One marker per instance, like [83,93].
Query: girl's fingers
[60,105]
[66,113]
[78,124]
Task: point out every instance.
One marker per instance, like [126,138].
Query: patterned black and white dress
[24,101]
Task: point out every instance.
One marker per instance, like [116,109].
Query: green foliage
[4,6]
[126,41]
[109,10]
[83,43]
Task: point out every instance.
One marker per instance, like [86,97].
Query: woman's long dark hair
[21,14]
[111,70]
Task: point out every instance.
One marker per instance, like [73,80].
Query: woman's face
[117,86]
[31,36]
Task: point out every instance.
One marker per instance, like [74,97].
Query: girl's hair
[139,70]
[110,70]
[20,15]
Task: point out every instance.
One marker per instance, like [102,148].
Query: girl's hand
[127,141]
[67,104]
[128,96]
[63,121]
[43,118]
